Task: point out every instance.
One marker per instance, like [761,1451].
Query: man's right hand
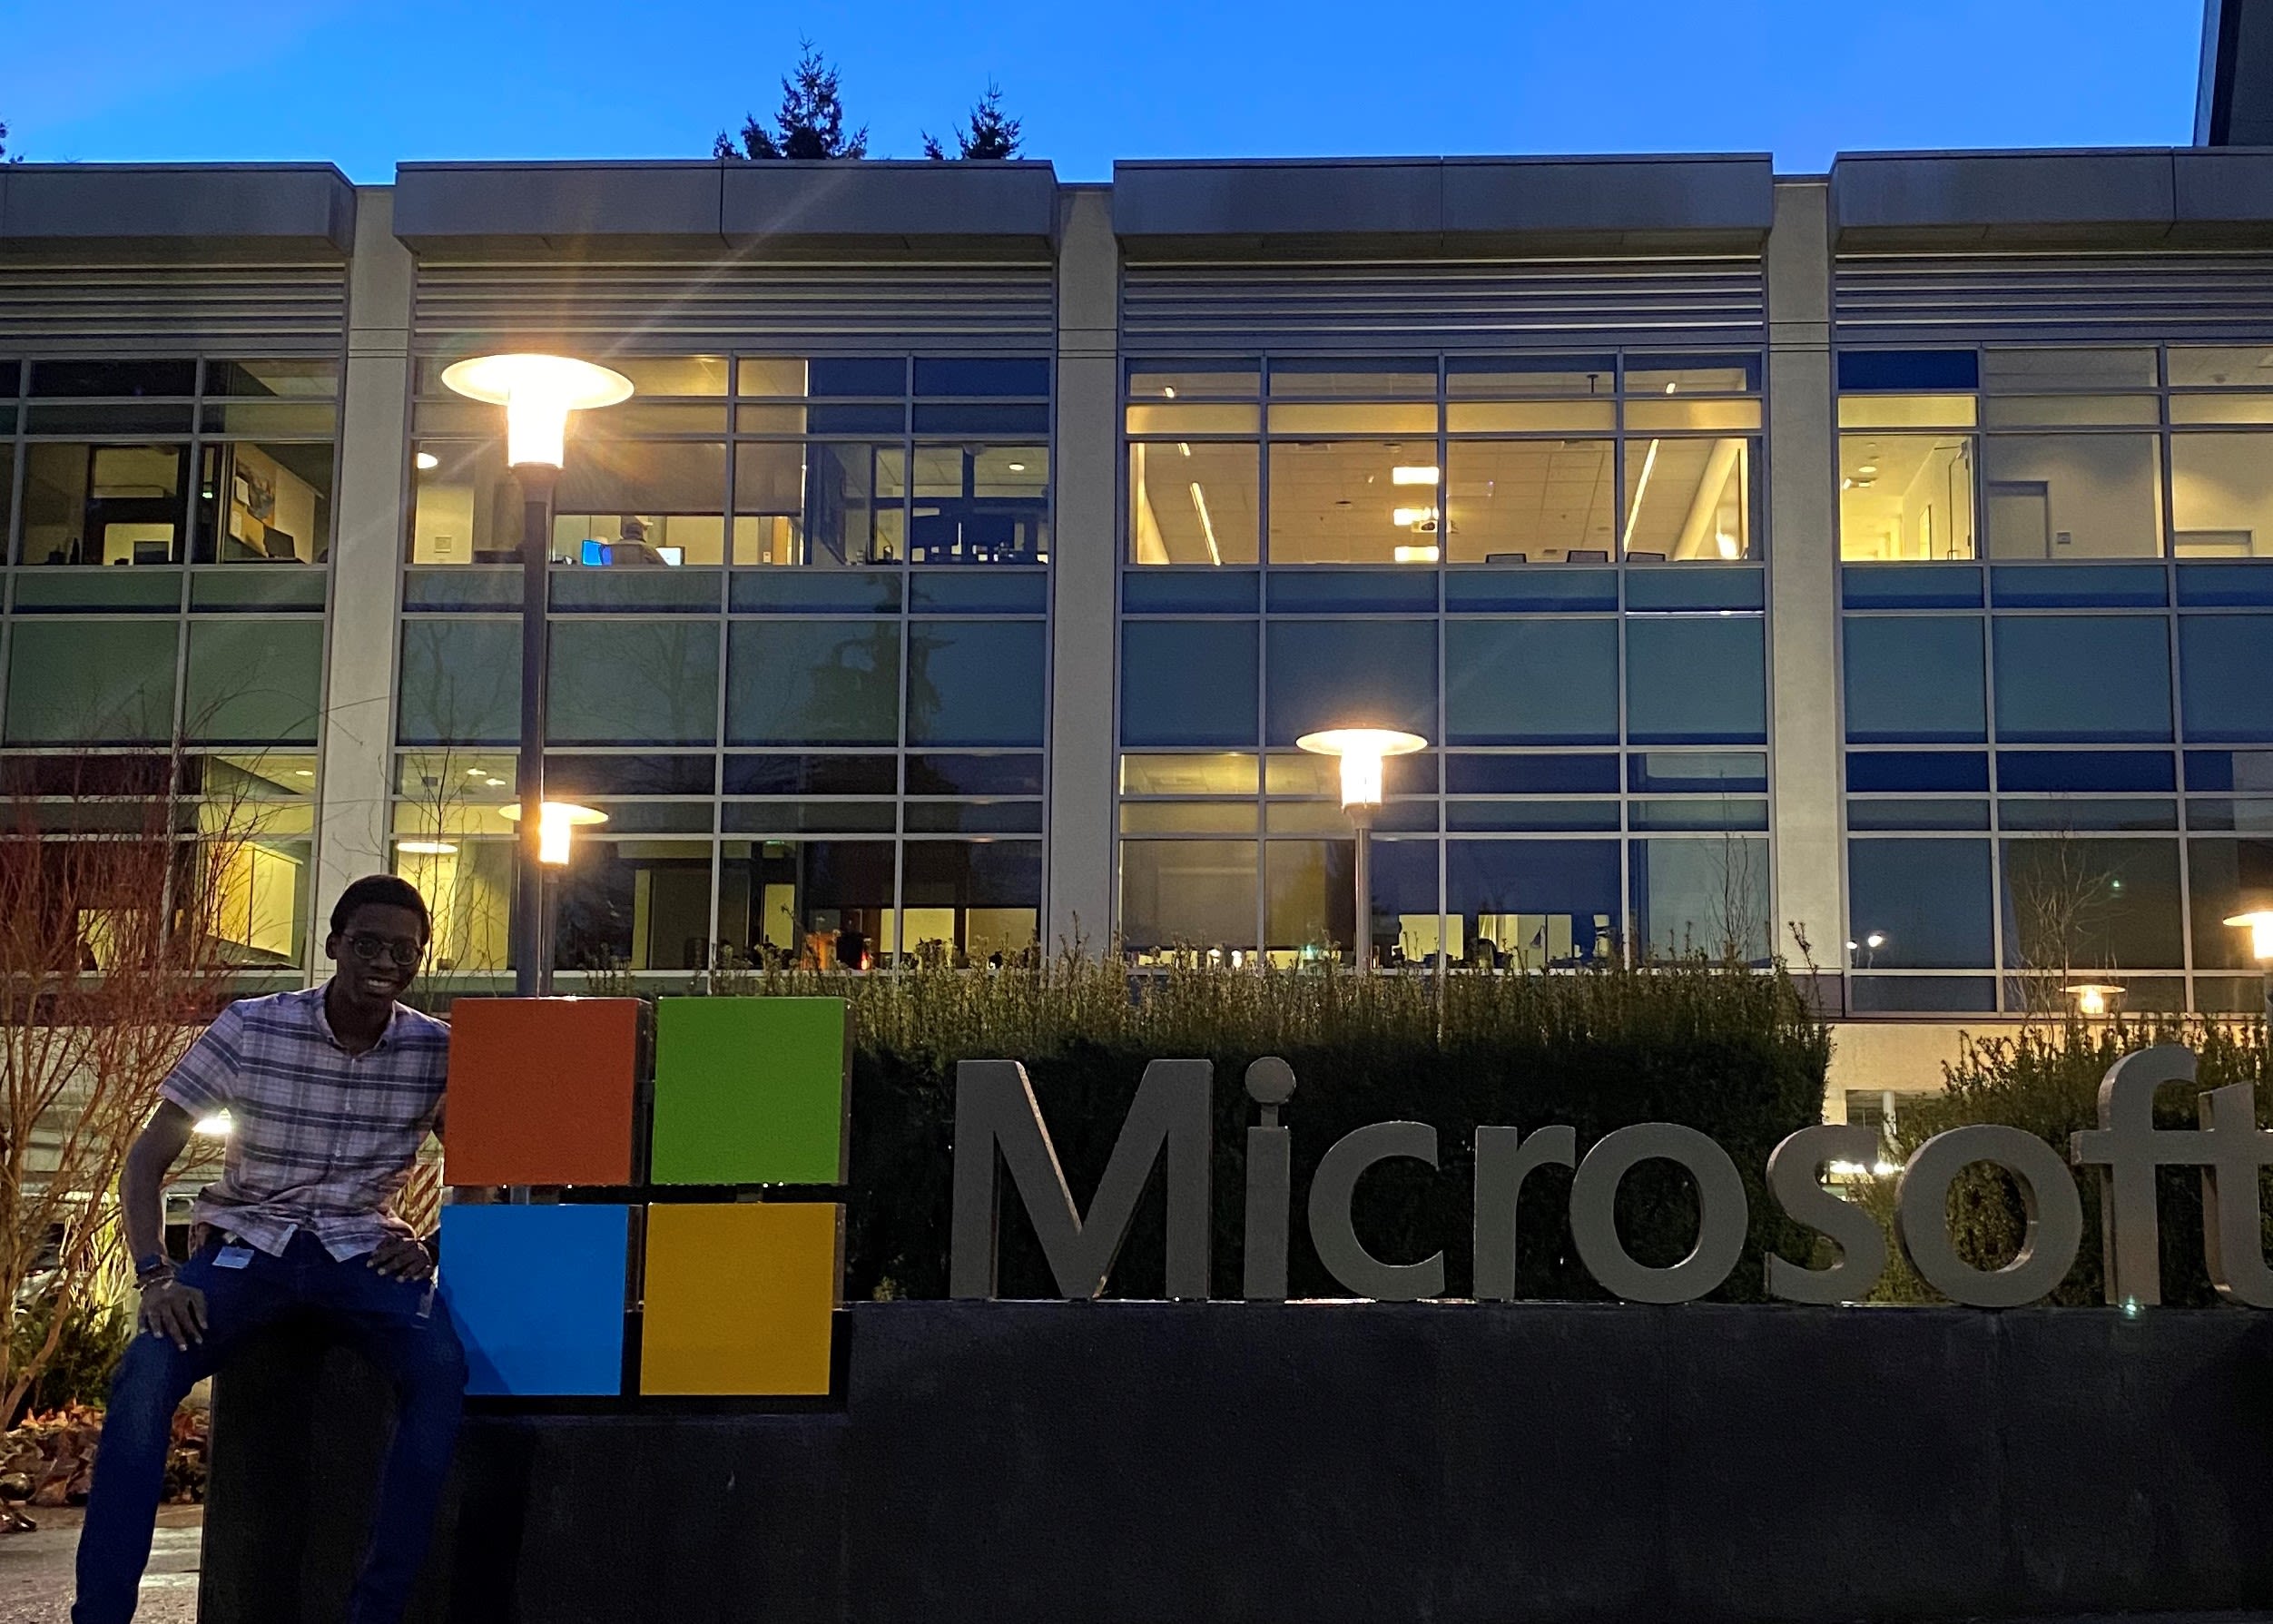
[174,1311]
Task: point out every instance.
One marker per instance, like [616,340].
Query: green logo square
[751,1091]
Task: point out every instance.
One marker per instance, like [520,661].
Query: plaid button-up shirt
[320,1139]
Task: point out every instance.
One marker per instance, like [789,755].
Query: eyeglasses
[370,949]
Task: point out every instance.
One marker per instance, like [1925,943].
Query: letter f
[2127,1149]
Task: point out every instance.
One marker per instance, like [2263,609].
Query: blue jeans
[399,1325]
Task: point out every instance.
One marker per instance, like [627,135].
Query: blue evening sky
[365,82]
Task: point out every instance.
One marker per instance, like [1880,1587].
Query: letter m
[998,1122]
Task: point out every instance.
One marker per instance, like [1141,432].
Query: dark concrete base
[1140,1462]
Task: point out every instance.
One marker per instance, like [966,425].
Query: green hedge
[1734,1054]
[2046,1080]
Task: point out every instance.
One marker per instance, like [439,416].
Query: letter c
[1335,1233]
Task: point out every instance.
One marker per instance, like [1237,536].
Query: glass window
[1326,674]
[1915,680]
[85,504]
[668,375]
[1378,377]
[1528,501]
[2226,676]
[2221,496]
[971,376]
[1909,370]
[2221,408]
[468,887]
[1532,904]
[260,913]
[1211,376]
[1223,773]
[465,506]
[1919,904]
[1531,416]
[820,504]
[461,683]
[2073,495]
[880,376]
[976,683]
[265,504]
[632,682]
[982,900]
[1310,902]
[2229,367]
[2062,411]
[625,504]
[1692,374]
[634,905]
[2080,678]
[2226,878]
[1188,894]
[981,503]
[1529,375]
[1193,503]
[1353,502]
[1181,418]
[91,682]
[1516,682]
[2078,904]
[1907,411]
[1904,497]
[254,682]
[1688,500]
[1188,683]
[1696,680]
[2026,371]
[98,378]
[823,904]
[1703,896]
[811,681]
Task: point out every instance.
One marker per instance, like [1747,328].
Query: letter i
[1270,1182]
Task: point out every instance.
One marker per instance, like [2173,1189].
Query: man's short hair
[381,890]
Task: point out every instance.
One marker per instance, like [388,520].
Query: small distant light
[303,773]
[427,462]
[215,1126]
[1874,940]
[2130,1308]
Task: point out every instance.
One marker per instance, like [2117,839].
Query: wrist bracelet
[163,1276]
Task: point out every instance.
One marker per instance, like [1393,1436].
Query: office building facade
[1875,569]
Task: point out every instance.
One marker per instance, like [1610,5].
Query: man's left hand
[402,1257]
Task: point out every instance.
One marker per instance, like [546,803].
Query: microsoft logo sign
[686,1233]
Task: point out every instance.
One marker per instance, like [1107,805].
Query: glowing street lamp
[2095,1000]
[2258,923]
[538,392]
[552,826]
[1362,751]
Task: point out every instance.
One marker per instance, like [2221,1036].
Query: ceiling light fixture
[1207,524]
[427,462]
[426,848]
[1414,475]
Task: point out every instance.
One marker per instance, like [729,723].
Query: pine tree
[809,123]
[991,135]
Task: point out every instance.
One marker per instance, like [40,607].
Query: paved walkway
[35,1569]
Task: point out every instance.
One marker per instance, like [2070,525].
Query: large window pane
[466,507]
[633,681]
[2073,495]
[1327,674]
[1311,898]
[2076,905]
[1518,681]
[1533,904]
[1538,500]
[461,682]
[981,503]
[825,904]
[2226,676]
[91,682]
[634,905]
[2248,366]
[2023,371]
[261,902]
[468,888]
[1187,893]
[1188,683]
[254,682]
[1193,503]
[104,504]
[1690,500]
[1703,896]
[1915,680]
[1905,496]
[265,504]
[2227,878]
[629,503]
[977,682]
[1353,501]
[2082,678]
[821,504]
[1696,681]
[1919,905]
[2221,495]
[979,900]
[811,681]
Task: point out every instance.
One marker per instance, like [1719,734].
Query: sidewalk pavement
[35,1569]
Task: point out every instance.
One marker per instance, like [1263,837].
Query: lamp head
[2259,923]
[538,392]
[2095,998]
[553,839]
[1362,751]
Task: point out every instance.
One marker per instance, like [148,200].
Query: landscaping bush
[1737,1054]
[79,1372]
[2046,1080]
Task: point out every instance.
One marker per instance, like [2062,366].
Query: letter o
[1722,1216]
[2048,1193]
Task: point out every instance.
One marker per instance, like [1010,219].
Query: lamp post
[2259,923]
[1362,751]
[538,392]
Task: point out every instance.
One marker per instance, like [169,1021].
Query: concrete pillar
[1804,576]
[351,834]
[1083,647]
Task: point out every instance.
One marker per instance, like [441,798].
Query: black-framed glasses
[370,949]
